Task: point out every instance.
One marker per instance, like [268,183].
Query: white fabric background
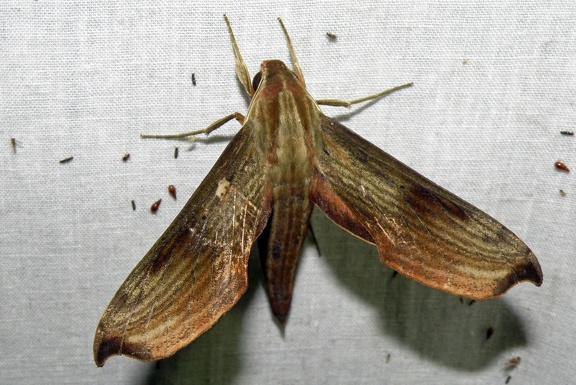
[494,85]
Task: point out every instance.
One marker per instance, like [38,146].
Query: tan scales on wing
[420,229]
[190,277]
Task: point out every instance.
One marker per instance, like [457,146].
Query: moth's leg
[328,102]
[217,124]
[344,103]
[293,54]
[240,65]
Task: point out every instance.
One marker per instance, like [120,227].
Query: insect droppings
[489,332]
[14,144]
[172,191]
[155,206]
[513,363]
[66,160]
[331,36]
[561,166]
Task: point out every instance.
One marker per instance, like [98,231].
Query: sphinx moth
[288,157]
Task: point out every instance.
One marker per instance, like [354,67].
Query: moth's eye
[256,80]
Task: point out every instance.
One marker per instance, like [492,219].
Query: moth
[287,158]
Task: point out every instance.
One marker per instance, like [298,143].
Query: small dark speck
[513,363]
[331,36]
[14,144]
[66,160]
[489,332]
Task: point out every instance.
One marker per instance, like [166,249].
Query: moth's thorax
[286,125]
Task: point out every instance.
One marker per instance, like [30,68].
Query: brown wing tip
[105,348]
[527,270]
[530,270]
[535,274]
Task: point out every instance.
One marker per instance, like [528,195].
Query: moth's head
[273,77]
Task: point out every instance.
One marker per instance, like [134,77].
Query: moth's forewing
[197,270]
[420,229]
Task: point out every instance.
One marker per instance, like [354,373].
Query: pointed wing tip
[528,270]
[106,347]
[99,361]
[533,271]
[100,357]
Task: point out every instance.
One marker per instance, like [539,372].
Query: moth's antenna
[240,65]
[292,53]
